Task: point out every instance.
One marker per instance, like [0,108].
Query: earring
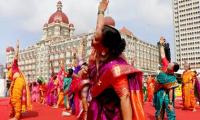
[103,53]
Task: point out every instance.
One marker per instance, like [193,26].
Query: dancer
[188,84]
[197,87]
[19,91]
[116,85]
[66,85]
[42,90]
[51,96]
[60,89]
[79,89]
[150,88]
[165,85]
[83,91]
[35,92]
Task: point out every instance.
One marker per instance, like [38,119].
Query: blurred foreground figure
[116,87]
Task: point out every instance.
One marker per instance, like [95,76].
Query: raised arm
[100,20]
[15,61]
[162,51]
[164,60]
[17,50]
[61,64]
[74,57]
[51,66]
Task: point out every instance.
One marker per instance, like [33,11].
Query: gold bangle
[100,12]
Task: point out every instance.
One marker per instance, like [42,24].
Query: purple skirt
[197,90]
[106,106]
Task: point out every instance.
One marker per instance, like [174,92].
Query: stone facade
[58,41]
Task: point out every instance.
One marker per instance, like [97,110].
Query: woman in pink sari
[35,93]
[51,96]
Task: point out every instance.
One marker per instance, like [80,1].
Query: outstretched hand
[162,40]
[61,63]
[103,5]
[17,44]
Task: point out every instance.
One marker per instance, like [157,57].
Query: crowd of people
[106,87]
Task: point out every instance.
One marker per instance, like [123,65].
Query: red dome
[126,31]
[59,15]
[109,21]
[9,49]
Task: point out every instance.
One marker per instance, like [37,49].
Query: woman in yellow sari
[188,83]
[19,90]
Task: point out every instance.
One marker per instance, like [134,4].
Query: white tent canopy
[2,87]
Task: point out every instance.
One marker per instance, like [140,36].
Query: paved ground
[43,112]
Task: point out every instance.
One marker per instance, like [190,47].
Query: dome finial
[59,6]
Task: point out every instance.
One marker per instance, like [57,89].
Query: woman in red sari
[79,89]
[116,86]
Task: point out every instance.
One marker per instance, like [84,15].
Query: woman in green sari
[164,87]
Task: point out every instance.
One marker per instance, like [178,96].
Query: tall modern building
[58,42]
[1,71]
[186,16]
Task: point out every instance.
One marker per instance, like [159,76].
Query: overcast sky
[24,19]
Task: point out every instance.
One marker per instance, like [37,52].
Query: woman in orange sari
[19,89]
[188,82]
[150,88]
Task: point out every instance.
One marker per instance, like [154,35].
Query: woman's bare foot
[14,118]
[55,106]
[11,115]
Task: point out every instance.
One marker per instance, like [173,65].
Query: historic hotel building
[58,42]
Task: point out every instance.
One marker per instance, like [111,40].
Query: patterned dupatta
[26,95]
[165,81]
[114,69]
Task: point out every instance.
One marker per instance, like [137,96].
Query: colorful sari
[150,89]
[20,99]
[197,89]
[74,93]
[43,91]
[161,100]
[74,96]
[115,79]
[188,89]
[60,89]
[35,93]
[66,85]
[52,95]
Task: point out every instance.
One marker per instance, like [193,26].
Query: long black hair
[112,40]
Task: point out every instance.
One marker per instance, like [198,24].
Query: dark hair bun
[176,67]
[112,40]
[122,45]
[70,70]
